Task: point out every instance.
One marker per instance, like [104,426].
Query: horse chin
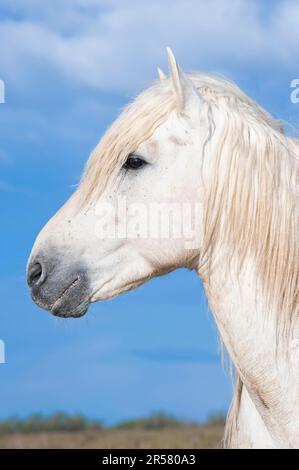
[64,312]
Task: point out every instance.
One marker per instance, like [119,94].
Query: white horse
[196,140]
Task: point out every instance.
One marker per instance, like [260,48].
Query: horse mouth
[70,303]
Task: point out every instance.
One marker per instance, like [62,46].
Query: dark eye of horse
[134,162]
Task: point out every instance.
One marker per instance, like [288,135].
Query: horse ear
[161,74]
[188,99]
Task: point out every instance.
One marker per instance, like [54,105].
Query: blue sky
[69,68]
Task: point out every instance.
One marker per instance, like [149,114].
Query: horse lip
[65,292]
[79,311]
[57,308]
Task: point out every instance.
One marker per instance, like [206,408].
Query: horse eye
[134,162]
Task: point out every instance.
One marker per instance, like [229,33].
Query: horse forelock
[139,120]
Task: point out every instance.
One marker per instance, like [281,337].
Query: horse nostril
[35,274]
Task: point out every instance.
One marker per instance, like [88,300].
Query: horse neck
[267,368]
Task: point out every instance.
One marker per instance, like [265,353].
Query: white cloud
[116,45]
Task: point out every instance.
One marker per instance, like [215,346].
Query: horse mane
[251,204]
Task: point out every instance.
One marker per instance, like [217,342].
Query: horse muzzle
[58,286]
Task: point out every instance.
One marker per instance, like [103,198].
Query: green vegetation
[63,422]
[154,421]
[53,423]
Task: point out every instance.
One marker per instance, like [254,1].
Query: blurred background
[149,359]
